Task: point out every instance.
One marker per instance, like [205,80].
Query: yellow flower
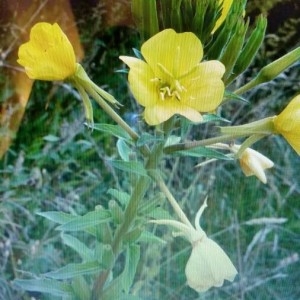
[48,55]
[208,264]
[226,4]
[287,123]
[253,163]
[172,80]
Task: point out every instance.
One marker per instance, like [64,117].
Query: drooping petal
[208,266]
[204,87]
[164,110]
[177,52]
[48,55]
[141,81]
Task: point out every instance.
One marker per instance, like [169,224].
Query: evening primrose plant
[182,80]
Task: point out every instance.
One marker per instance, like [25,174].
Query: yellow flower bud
[287,123]
[253,163]
[48,55]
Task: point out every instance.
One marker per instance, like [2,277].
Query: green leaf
[213,118]
[129,166]
[57,217]
[147,138]
[119,287]
[81,289]
[150,238]
[48,286]
[85,253]
[159,213]
[123,149]
[73,270]
[122,197]
[91,219]
[203,152]
[138,54]
[232,96]
[132,259]
[51,138]
[172,139]
[114,130]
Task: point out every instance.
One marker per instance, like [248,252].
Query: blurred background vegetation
[56,164]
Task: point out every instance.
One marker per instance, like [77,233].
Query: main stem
[129,215]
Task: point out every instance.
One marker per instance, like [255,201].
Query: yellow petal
[287,123]
[208,266]
[226,4]
[204,87]
[48,55]
[177,52]
[141,82]
[163,111]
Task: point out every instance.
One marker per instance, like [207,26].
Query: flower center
[169,87]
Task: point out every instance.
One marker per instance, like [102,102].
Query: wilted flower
[48,55]
[253,163]
[226,4]
[172,80]
[208,264]
[287,123]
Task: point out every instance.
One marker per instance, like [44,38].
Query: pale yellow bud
[253,163]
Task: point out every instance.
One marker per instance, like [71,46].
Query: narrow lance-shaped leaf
[91,219]
[73,270]
[57,216]
[129,166]
[85,253]
[49,286]
[114,130]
